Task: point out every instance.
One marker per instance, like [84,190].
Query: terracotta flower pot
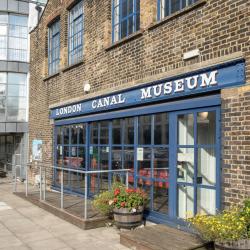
[233,245]
[128,219]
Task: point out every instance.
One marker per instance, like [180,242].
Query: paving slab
[24,226]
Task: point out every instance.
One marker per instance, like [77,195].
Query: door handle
[199,180]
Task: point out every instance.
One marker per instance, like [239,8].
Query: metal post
[14,176]
[27,181]
[44,190]
[127,179]
[61,189]
[41,182]
[86,197]
[5,167]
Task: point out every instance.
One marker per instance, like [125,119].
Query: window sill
[72,66]
[46,78]
[125,40]
[177,14]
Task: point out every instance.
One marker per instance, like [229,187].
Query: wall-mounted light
[86,87]
[203,115]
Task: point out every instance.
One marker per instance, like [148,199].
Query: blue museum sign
[205,80]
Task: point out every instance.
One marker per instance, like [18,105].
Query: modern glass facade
[13,37]
[16,19]
[13,97]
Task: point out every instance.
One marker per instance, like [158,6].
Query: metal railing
[43,184]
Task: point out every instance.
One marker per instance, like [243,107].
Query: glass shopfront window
[177,167]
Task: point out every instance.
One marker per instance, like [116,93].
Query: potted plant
[230,229]
[126,205]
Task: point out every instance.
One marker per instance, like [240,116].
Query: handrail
[42,186]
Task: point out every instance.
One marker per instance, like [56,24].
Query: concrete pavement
[24,226]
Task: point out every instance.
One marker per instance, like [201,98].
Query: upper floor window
[168,7]
[75,36]
[13,37]
[54,47]
[125,18]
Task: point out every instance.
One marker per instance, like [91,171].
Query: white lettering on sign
[69,109]
[108,101]
[180,85]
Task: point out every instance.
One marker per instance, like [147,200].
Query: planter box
[234,245]
[128,219]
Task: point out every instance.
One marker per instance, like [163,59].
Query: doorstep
[162,237]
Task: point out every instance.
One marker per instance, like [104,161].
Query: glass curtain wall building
[15,23]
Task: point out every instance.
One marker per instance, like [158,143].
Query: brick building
[155,86]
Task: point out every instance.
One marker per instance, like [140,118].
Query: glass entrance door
[196,160]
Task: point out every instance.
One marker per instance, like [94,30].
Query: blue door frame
[200,104]
[173,158]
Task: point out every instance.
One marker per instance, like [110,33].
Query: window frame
[78,50]
[161,13]
[135,14]
[53,61]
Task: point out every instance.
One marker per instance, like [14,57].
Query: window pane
[3,18]
[161,133]
[128,20]
[66,135]
[74,134]
[3,77]
[206,200]
[175,5]
[129,131]
[185,208]
[59,152]
[185,165]
[116,158]
[129,162]
[59,133]
[76,33]
[17,78]
[16,90]
[144,135]
[160,197]
[93,152]
[186,129]
[94,133]
[104,158]
[81,158]
[161,165]
[2,114]
[206,127]
[66,159]
[3,30]
[104,132]
[82,133]
[16,114]
[117,131]
[3,54]
[17,102]
[206,166]
[144,161]
[2,89]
